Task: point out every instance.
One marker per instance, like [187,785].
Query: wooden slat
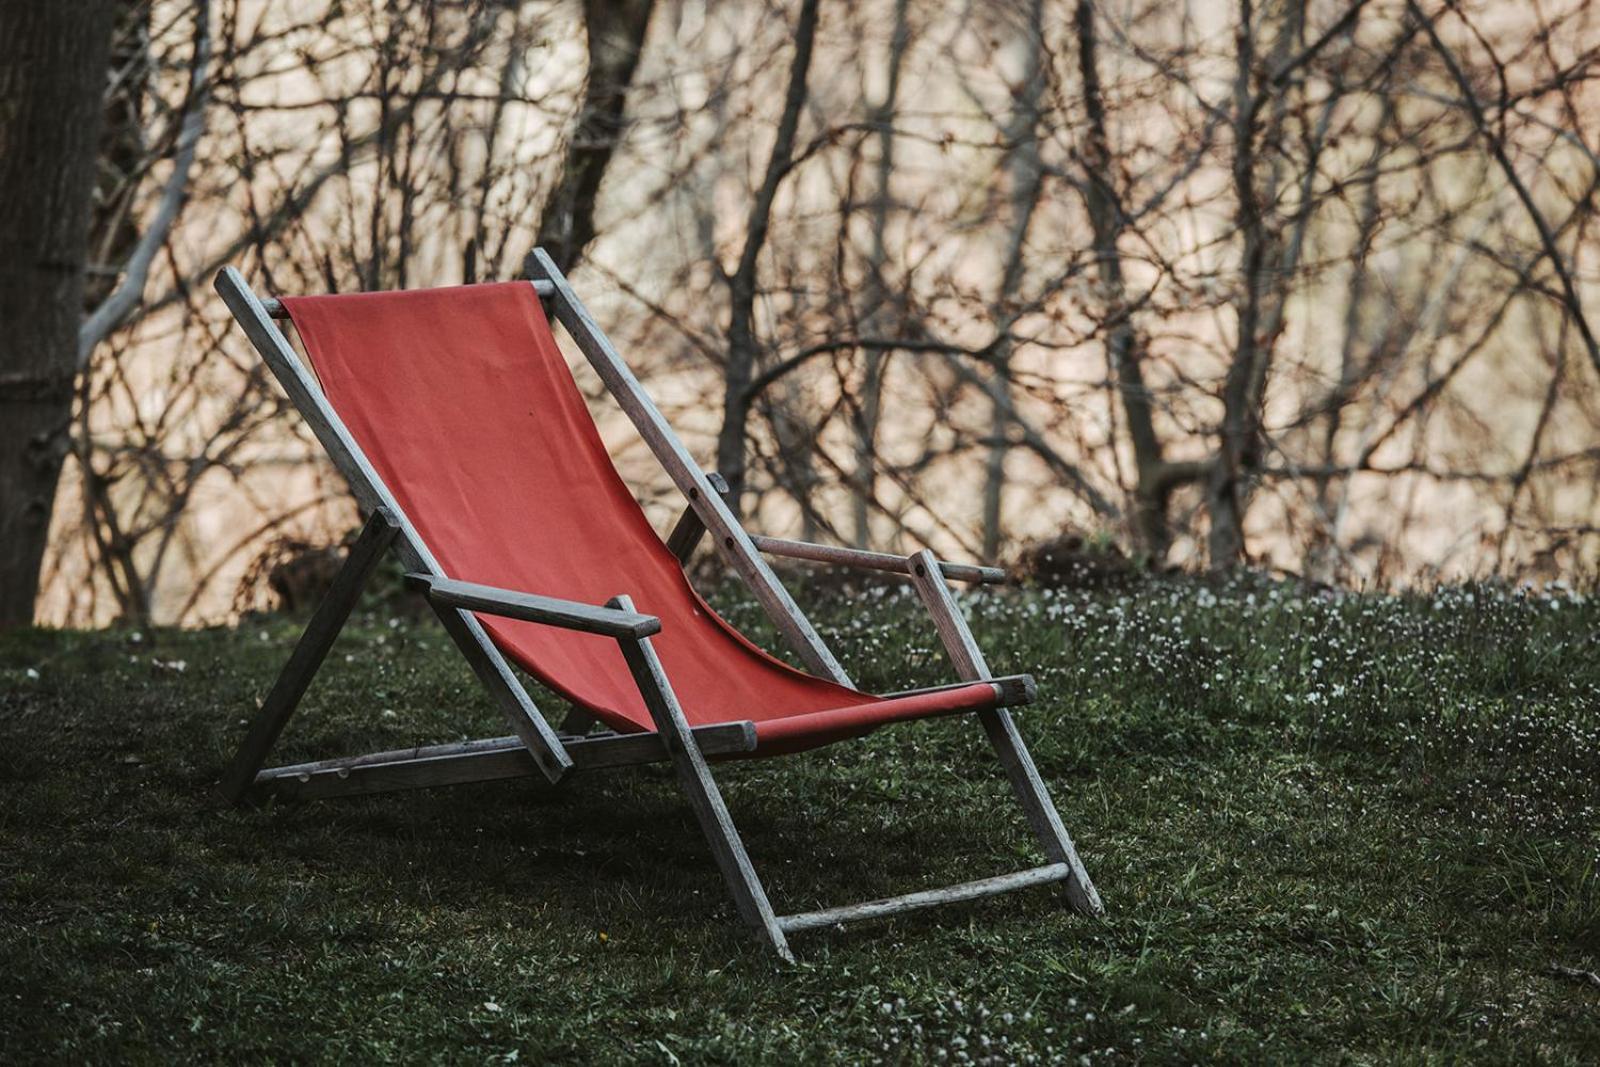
[731,540]
[1001,729]
[487,760]
[370,491]
[877,561]
[530,607]
[274,307]
[705,799]
[928,898]
[309,652]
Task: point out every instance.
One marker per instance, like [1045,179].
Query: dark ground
[1334,829]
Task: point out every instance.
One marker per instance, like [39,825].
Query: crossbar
[486,760]
[874,561]
[927,898]
[689,530]
[275,309]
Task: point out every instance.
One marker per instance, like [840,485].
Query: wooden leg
[308,655]
[704,797]
[495,674]
[1002,732]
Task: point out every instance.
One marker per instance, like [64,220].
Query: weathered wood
[1011,690]
[364,481]
[674,740]
[326,622]
[928,898]
[1002,732]
[531,607]
[877,561]
[704,797]
[731,540]
[275,309]
[505,689]
[486,760]
[688,531]
[690,528]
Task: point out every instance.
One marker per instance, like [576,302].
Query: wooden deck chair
[456,421]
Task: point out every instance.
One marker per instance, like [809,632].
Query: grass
[1327,828]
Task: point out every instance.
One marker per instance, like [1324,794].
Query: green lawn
[1327,828]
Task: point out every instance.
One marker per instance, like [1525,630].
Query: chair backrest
[462,402]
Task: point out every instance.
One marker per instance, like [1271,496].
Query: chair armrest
[689,529]
[877,561]
[531,607]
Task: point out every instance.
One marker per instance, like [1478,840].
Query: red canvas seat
[463,403]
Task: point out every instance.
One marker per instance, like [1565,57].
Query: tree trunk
[615,30]
[1231,476]
[52,77]
[1153,482]
[1024,176]
[742,345]
[874,359]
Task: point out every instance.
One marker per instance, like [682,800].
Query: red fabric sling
[462,401]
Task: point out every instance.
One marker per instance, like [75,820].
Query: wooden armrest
[689,529]
[530,607]
[877,561]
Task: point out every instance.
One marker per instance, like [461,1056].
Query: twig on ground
[1576,974]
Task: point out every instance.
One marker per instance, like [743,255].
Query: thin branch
[1497,148]
[125,297]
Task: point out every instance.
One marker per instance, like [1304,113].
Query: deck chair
[457,423]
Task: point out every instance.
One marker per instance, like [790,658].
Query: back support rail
[367,485]
[732,542]
[274,307]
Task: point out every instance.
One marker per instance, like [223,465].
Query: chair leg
[1002,732]
[1041,811]
[704,796]
[494,672]
[319,635]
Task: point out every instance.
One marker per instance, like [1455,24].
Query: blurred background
[1300,284]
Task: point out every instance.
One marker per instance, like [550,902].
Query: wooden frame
[373,496]
[534,748]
